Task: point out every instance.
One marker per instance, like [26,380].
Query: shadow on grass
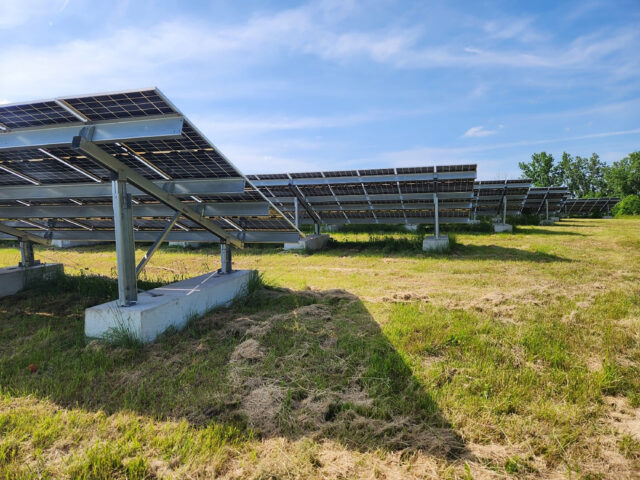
[280,363]
[496,252]
[524,230]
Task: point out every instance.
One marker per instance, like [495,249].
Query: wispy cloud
[479,131]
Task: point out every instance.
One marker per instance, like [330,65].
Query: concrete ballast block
[310,242]
[169,306]
[502,227]
[14,279]
[435,244]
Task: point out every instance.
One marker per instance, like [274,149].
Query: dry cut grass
[513,356]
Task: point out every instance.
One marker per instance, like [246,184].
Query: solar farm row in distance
[62,176]
[539,197]
[386,195]
[588,206]
[490,195]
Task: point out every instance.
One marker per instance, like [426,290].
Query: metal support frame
[225,258]
[84,144]
[125,245]
[436,219]
[23,236]
[316,228]
[26,254]
[120,130]
[546,206]
[186,187]
[504,210]
[296,214]
[156,244]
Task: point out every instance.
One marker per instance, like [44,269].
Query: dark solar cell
[37,114]
[121,105]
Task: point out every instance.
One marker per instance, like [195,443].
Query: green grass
[499,359]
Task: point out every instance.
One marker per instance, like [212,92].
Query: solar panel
[588,206]
[539,196]
[491,195]
[388,195]
[179,156]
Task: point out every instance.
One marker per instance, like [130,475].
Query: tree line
[586,177]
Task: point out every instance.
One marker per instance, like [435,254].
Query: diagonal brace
[305,204]
[94,151]
[23,236]
[156,244]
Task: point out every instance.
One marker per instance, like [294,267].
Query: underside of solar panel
[54,187]
[389,195]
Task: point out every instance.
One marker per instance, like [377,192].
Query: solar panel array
[539,196]
[400,195]
[490,195]
[188,156]
[588,206]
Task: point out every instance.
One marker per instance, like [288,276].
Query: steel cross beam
[23,236]
[121,130]
[305,205]
[86,146]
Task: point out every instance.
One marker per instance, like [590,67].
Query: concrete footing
[502,227]
[555,219]
[310,242]
[14,279]
[435,244]
[72,243]
[547,222]
[169,306]
[607,217]
[411,227]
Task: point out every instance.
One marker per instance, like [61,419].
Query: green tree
[541,170]
[623,177]
[584,176]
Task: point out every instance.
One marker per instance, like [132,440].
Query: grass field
[512,356]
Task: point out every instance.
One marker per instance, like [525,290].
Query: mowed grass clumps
[514,356]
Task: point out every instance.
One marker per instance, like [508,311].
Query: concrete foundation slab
[435,244]
[411,227]
[310,242]
[14,279]
[72,243]
[169,306]
[547,222]
[607,217]
[502,227]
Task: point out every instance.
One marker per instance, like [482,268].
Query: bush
[629,205]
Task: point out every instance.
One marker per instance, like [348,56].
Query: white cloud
[479,131]
[14,13]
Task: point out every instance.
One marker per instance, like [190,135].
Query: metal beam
[156,244]
[308,208]
[378,197]
[26,254]
[225,259]
[141,210]
[413,177]
[122,130]
[86,146]
[125,246]
[196,186]
[22,235]
[199,236]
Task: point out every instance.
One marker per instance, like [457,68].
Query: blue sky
[329,84]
